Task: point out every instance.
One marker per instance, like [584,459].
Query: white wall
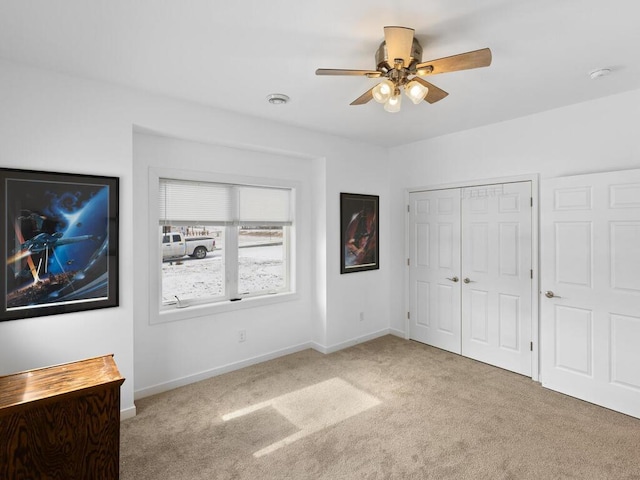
[593,136]
[326,315]
[49,122]
[178,352]
[366,292]
[60,123]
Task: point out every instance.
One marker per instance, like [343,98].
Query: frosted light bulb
[382,91]
[393,104]
[416,91]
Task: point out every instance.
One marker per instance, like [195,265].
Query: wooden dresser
[61,422]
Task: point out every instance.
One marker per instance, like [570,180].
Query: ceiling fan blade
[399,41]
[434,94]
[338,71]
[462,61]
[364,98]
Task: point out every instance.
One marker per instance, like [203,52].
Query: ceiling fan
[399,63]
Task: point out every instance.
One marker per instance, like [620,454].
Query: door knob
[454,279]
[467,280]
[550,294]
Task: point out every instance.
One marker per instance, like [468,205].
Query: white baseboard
[350,343]
[180,382]
[126,413]
[398,333]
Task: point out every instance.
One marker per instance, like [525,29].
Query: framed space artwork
[59,243]
[358,232]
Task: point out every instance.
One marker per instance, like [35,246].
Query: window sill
[172,313]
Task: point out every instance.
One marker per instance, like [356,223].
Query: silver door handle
[467,280]
[550,294]
[454,279]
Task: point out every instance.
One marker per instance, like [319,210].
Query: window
[261,259]
[223,242]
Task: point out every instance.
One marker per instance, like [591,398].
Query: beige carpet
[385,409]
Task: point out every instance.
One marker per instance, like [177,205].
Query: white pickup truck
[176,245]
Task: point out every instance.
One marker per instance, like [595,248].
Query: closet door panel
[434,268]
[496,264]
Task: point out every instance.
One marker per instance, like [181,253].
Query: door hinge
[408,209]
[531,273]
[408,262]
[531,346]
[408,315]
[532,201]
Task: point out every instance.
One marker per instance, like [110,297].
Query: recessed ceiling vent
[277,99]
[601,72]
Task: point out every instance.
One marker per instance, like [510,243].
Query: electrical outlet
[242,335]
[362,316]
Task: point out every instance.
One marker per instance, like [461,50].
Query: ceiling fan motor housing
[384,63]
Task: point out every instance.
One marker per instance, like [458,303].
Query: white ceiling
[232,54]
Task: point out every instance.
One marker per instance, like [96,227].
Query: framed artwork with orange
[359,232]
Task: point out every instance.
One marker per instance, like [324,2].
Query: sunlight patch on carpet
[312,409]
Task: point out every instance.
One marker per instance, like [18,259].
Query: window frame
[160,313]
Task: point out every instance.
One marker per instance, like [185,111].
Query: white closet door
[590,314]
[435,268]
[496,272]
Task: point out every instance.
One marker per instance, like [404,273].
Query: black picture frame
[359,232]
[59,243]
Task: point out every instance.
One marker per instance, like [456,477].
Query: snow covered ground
[260,268]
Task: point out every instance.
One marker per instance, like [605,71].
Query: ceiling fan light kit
[399,64]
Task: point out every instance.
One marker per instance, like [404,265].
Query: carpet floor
[384,409]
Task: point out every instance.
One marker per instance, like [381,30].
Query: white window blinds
[259,204]
[184,202]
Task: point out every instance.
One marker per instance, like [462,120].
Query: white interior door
[497,275]
[590,314]
[434,268]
